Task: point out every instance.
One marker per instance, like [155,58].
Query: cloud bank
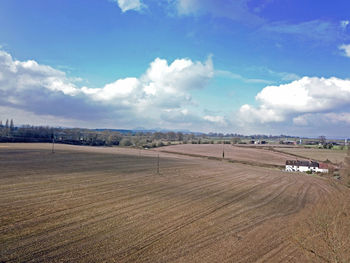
[300,101]
[159,97]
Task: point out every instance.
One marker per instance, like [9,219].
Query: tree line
[79,136]
[147,139]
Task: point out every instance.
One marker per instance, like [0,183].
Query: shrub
[125,142]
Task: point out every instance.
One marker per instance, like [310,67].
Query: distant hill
[136,130]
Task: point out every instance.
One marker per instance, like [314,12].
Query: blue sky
[227,66]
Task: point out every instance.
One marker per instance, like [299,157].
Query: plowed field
[244,154]
[335,156]
[86,204]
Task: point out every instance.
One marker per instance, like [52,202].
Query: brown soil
[335,156]
[86,204]
[248,155]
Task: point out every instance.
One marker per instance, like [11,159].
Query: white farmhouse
[305,166]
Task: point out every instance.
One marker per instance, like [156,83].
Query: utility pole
[223,150]
[53,144]
[158,164]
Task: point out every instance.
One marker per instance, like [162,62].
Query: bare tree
[12,126]
[7,128]
[322,139]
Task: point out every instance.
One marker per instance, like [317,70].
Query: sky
[231,66]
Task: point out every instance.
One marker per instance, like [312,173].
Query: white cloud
[307,95]
[250,114]
[162,86]
[126,5]
[314,119]
[43,90]
[29,74]
[122,88]
[220,120]
[182,74]
[346,49]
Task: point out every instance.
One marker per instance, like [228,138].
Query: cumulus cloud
[163,90]
[162,86]
[346,49]
[305,96]
[42,90]
[115,91]
[126,5]
[262,114]
[29,74]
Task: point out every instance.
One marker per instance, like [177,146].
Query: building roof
[323,166]
[302,163]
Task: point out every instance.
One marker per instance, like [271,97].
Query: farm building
[258,142]
[288,142]
[305,166]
